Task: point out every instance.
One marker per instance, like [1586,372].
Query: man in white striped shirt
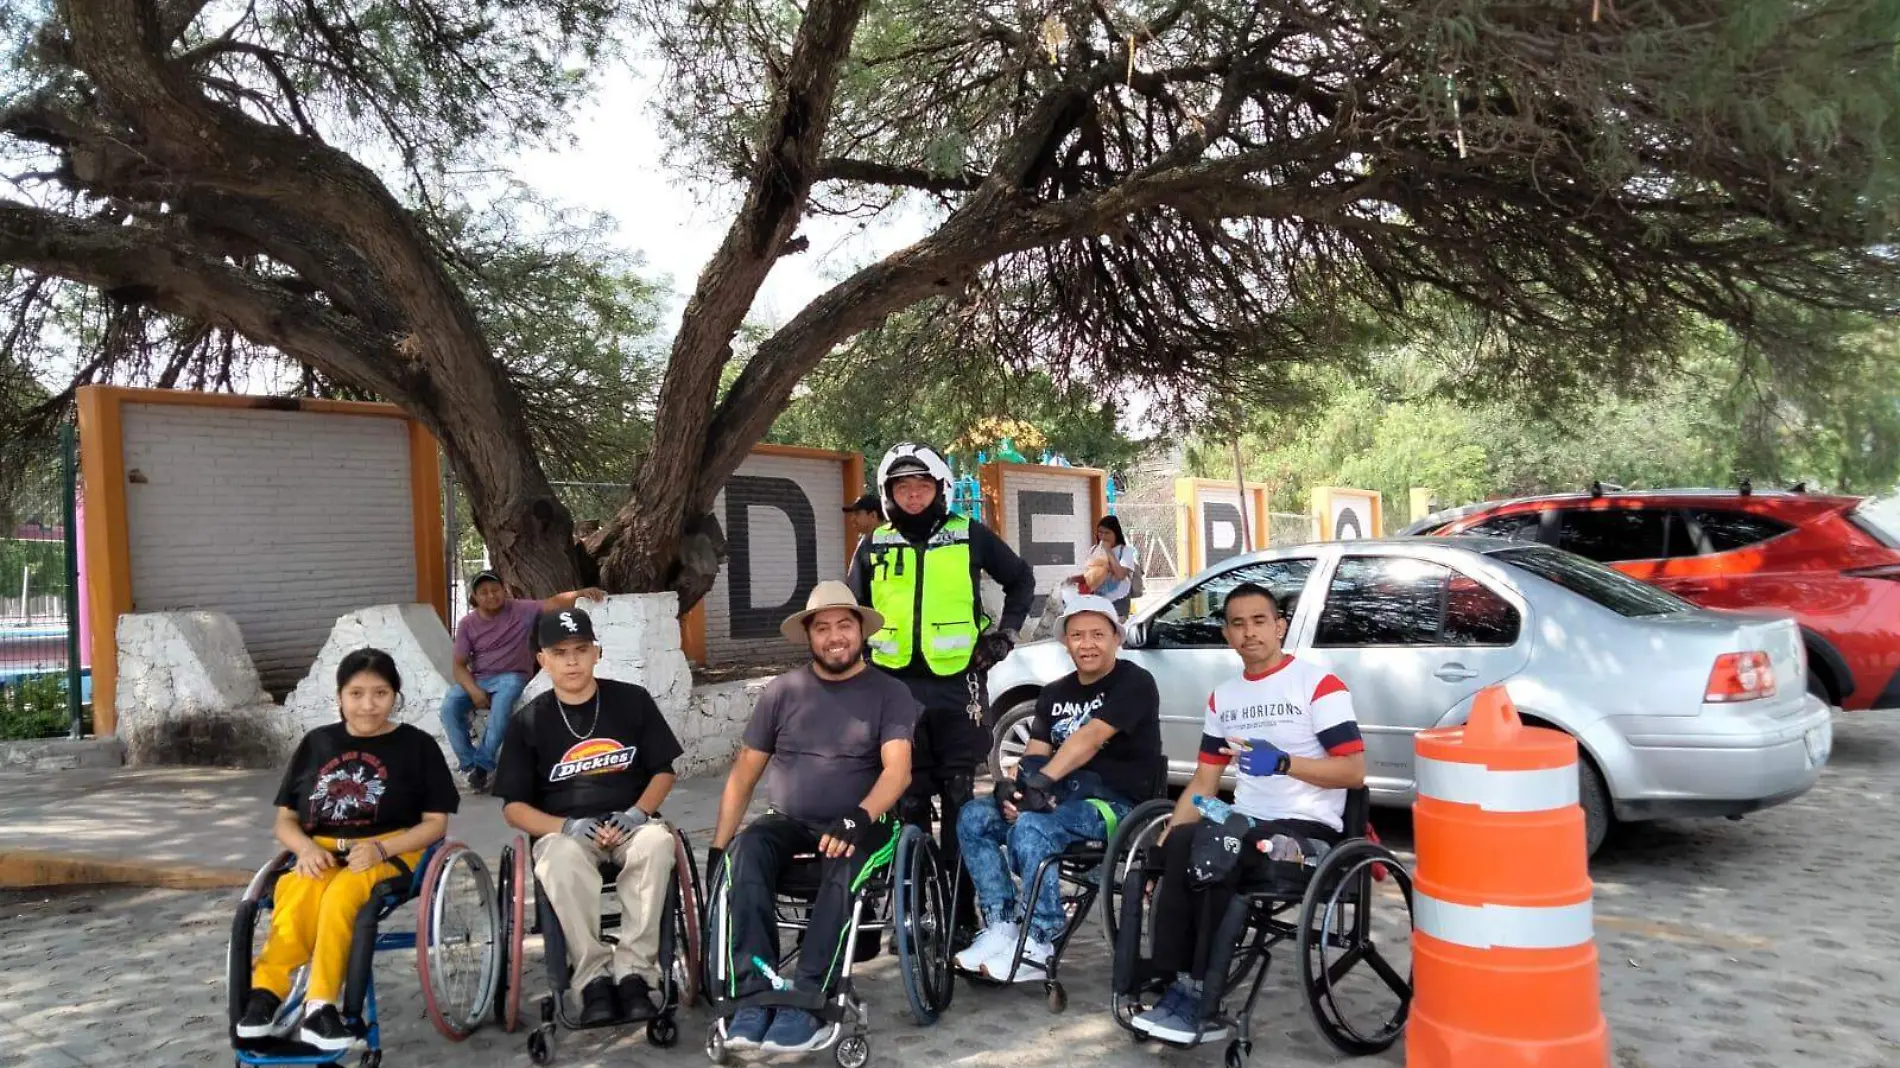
[1289,728]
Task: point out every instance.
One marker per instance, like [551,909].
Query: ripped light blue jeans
[985,836]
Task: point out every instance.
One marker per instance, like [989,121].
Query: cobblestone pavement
[1768,943]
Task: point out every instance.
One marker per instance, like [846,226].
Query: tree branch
[870,172]
[783,171]
[138,265]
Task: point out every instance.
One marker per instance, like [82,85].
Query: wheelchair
[1325,905]
[1083,874]
[455,938]
[679,947]
[906,899]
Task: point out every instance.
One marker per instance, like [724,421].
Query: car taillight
[1741,677]
[1884,571]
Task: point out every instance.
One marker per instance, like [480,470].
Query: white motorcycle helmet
[908,458]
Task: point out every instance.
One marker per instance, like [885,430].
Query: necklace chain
[569,724]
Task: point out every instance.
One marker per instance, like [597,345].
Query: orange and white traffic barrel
[1504,958]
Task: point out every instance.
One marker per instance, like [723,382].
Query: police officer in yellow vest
[922,571]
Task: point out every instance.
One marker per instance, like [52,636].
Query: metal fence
[45,690]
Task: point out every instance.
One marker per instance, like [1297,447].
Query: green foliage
[35,707]
[43,563]
[898,384]
[575,323]
[1720,411]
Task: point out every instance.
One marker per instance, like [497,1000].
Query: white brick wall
[1226,538]
[742,623]
[1075,531]
[282,520]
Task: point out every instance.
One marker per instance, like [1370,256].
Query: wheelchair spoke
[1393,980]
[1338,969]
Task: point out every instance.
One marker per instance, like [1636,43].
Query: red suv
[1823,559]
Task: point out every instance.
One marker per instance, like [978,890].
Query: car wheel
[1008,738]
[1820,689]
[1594,798]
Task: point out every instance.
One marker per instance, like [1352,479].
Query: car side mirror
[1137,636]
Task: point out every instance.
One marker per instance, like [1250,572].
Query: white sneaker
[996,940]
[1030,969]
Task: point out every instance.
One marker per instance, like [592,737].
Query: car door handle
[1455,672]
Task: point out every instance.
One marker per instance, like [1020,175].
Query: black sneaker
[323,1028]
[637,1004]
[597,1003]
[260,1015]
[478,780]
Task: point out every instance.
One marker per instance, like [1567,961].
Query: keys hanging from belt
[975,707]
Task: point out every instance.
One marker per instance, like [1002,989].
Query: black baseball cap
[866,503]
[480,577]
[558,626]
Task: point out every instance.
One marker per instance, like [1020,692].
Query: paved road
[1769,943]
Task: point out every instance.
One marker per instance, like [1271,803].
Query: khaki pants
[569,871]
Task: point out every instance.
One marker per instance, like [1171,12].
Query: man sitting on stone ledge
[493,663]
[584,771]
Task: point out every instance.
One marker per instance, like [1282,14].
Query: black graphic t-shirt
[1126,699]
[342,786]
[583,764]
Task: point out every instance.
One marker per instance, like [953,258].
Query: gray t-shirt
[824,738]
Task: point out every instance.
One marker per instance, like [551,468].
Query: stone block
[188,693]
[639,643]
[713,723]
[424,653]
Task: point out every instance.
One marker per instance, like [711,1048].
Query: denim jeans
[503,691]
[984,835]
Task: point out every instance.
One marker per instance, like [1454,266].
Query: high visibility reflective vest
[926,600]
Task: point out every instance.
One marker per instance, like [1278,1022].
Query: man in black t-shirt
[1094,753]
[584,770]
[837,737]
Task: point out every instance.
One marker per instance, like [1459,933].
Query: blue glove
[1261,758]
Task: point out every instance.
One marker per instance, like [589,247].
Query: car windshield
[1881,520]
[1612,589]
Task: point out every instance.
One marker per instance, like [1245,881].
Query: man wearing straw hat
[837,738]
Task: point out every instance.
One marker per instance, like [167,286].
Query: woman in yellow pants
[357,795]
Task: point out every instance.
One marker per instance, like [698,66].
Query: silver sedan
[1679,711]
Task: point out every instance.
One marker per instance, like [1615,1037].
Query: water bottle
[1216,810]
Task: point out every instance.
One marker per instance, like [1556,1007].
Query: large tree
[1183,196]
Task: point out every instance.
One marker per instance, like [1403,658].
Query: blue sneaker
[793,1031]
[747,1028]
[1176,1018]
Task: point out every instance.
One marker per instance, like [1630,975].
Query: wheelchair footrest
[286,1051]
[825,1007]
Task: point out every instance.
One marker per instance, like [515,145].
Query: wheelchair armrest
[1358,815]
[422,866]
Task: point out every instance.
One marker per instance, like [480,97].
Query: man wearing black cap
[493,663]
[584,771]
[862,516]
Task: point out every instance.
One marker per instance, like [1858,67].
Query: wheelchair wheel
[249,929]
[922,920]
[1135,834]
[712,935]
[1350,933]
[458,943]
[687,942]
[512,899]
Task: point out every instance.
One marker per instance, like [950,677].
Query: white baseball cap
[1089,602]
